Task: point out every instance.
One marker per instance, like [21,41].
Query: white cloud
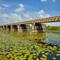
[54,0]
[3,15]
[19,17]
[5,5]
[21,5]
[27,16]
[9,17]
[3,18]
[0,7]
[42,14]
[20,14]
[19,8]
[14,17]
[43,0]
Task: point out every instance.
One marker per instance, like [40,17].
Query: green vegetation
[16,46]
[26,35]
[55,29]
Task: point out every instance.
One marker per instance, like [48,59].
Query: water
[53,38]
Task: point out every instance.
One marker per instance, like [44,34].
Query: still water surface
[53,38]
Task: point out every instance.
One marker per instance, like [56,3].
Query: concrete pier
[14,27]
[23,27]
[36,27]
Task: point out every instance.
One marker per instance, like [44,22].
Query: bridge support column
[5,27]
[44,27]
[23,27]
[9,27]
[1,28]
[19,28]
[14,28]
[37,27]
[32,27]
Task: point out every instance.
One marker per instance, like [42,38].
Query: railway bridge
[32,25]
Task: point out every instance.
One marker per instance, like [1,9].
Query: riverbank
[53,29]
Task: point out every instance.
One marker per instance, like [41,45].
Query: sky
[23,10]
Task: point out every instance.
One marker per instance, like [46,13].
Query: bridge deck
[42,20]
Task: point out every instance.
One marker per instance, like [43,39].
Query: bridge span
[32,25]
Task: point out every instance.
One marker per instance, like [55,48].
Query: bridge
[33,25]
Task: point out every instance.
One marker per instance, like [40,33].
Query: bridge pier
[32,27]
[19,28]
[5,27]
[37,27]
[14,27]
[1,28]
[9,27]
[23,27]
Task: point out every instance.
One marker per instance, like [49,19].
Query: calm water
[53,38]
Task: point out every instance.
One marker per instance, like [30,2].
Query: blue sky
[23,10]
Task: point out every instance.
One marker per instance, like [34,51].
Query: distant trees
[53,28]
